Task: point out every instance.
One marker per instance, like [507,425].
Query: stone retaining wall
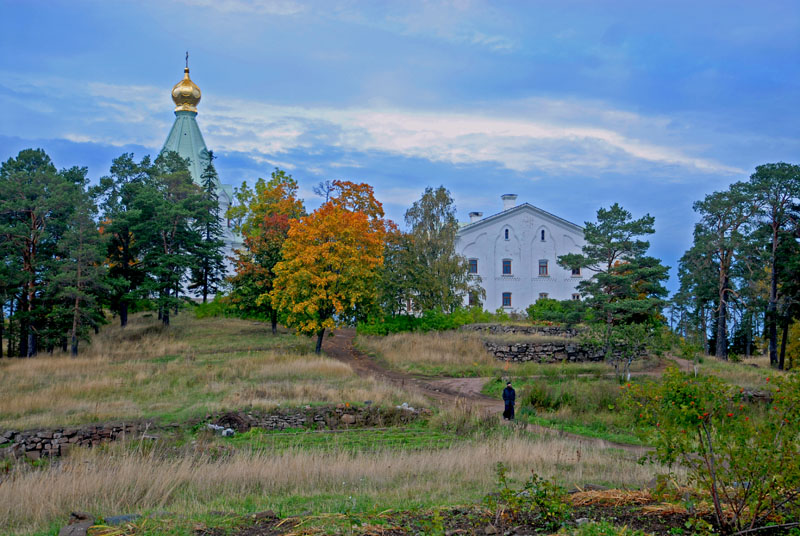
[549,352]
[499,329]
[563,344]
[35,444]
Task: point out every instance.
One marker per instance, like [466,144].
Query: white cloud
[517,143]
[250,7]
[530,136]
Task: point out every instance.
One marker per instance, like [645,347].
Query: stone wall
[548,352]
[35,444]
[500,329]
[559,344]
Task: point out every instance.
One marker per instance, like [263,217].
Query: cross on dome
[186,94]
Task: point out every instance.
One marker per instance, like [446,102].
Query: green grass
[576,404]
[416,437]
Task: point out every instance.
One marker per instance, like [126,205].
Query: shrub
[746,460]
[568,312]
[427,321]
[540,502]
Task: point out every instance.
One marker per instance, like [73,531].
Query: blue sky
[572,105]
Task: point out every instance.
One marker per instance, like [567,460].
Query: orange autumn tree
[265,217]
[331,259]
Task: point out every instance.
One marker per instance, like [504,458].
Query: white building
[514,254]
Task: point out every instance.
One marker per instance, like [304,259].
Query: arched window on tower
[506,234]
[542,235]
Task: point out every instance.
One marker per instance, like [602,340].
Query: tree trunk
[10,334]
[64,344]
[22,332]
[2,328]
[273,316]
[75,315]
[31,343]
[123,314]
[722,322]
[320,335]
[772,304]
[784,339]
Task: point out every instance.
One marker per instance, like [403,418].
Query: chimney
[475,216]
[509,201]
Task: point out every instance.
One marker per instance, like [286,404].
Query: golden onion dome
[186,94]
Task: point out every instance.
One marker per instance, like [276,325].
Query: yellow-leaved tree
[329,272]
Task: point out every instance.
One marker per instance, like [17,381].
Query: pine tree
[209,269]
[115,195]
[167,205]
[80,281]
[626,285]
[35,202]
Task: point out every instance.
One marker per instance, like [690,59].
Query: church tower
[185,139]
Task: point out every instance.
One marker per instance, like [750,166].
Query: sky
[572,105]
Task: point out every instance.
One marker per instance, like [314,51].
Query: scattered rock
[581,521]
[119,520]
[79,524]
[490,529]
[266,514]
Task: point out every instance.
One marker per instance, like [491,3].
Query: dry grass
[191,368]
[455,353]
[750,373]
[439,348]
[125,480]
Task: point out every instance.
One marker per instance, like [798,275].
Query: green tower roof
[186,140]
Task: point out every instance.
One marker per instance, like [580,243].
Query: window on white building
[506,234]
[506,299]
[543,295]
[576,296]
[506,266]
[473,266]
[473,299]
[543,267]
[576,272]
[542,235]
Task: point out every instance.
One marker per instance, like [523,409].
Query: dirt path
[448,391]
[445,391]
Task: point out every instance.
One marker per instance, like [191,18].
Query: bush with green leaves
[569,312]
[540,502]
[428,321]
[746,457]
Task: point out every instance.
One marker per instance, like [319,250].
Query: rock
[77,529]
[119,520]
[490,529]
[348,419]
[266,514]
[79,524]
[581,521]
[33,455]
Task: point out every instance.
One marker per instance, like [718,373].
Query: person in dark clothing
[509,397]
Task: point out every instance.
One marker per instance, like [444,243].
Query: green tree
[115,195]
[209,270]
[626,285]
[80,281]
[35,202]
[441,276]
[168,204]
[725,218]
[777,189]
